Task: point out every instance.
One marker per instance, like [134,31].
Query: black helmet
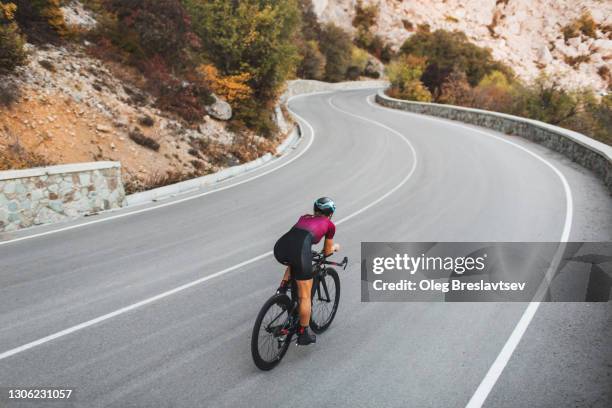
[325,205]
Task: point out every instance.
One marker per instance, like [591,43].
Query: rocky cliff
[526,34]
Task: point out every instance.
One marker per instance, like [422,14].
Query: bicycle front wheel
[271,332]
[325,300]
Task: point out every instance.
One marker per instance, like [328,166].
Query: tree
[451,51]
[311,29]
[336,45]
[146,28]
[456,90]
[312,65]
[405,76]
[42,20]
[253,36]
[12,53]
[546,101]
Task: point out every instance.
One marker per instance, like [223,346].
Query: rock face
[53,194]
[526,34]
[219,109]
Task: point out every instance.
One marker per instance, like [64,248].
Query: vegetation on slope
[445,67]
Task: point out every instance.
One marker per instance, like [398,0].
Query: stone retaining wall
[56,193]
[585,151]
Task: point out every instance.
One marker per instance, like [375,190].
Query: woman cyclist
[294,249]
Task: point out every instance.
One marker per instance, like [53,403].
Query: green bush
[41,20]
[312,65]
[495,92]
[353,73]
[404,75]
[337,47]
[359,58]
[450,51]
[12,52]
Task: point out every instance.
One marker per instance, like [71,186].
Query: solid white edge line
[173,202]
[188,285]
[490,379]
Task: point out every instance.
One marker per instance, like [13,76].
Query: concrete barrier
[587,152]
[57,193]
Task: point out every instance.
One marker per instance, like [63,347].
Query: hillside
[526,34]
[73,100]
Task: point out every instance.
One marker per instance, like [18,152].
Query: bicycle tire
[320,325]
[260,361]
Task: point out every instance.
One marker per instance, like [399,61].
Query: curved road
[153,306]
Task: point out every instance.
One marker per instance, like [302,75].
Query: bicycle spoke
[268,340]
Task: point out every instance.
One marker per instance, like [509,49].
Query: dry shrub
[15,157]
[246,148]
[9,93]
[408,25]
[604,73]
[186,97]
[577,60]
[456,90]
[156,180]
[137,136]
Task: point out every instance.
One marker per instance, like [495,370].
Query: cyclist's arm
[329,247]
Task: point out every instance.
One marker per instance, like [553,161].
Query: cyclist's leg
[304,281]
[304,291]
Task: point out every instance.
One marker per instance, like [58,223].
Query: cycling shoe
[305,338]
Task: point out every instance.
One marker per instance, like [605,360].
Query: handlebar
[321,257]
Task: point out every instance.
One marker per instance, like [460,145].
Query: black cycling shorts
[295,250]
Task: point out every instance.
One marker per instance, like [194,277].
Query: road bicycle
[278,319]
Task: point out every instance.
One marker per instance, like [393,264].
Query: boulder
[374,68]
[219,109]
[544,55]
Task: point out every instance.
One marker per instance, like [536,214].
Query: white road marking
[490,379]
[188,285]
[173,202]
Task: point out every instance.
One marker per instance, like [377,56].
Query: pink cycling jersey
[318,226]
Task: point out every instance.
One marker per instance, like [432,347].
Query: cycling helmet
[325,205]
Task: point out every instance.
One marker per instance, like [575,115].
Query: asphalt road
[175,289]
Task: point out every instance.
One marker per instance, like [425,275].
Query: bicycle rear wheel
[271,332]
[325,300]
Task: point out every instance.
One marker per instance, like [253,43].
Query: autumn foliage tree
[12,53]
[254,37]
[448,51]
[233,88]
[405,76]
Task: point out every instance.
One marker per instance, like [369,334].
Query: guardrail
[587,152]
